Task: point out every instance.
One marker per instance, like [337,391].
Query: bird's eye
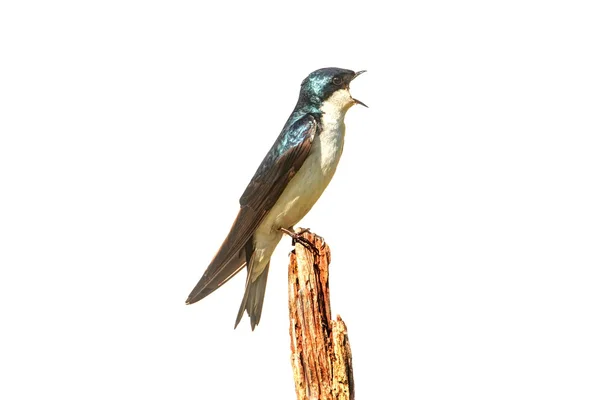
[337,80]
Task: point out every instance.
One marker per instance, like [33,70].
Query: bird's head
[329,85]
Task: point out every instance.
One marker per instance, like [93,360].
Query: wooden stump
[321,356]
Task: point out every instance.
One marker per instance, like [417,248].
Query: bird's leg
[298,238]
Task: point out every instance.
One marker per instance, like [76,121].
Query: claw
[298,238]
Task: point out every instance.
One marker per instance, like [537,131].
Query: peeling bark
[321,356]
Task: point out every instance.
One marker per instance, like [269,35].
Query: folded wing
[279,166]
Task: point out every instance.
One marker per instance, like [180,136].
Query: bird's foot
[298,238]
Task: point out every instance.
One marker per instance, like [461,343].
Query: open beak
[356,101]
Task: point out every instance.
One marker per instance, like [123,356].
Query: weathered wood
[321,356]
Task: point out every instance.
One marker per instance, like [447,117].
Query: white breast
[305,188]
[310,181]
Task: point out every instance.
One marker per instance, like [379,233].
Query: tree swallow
[286,185]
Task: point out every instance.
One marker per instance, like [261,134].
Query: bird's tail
[253,297]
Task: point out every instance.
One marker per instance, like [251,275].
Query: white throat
[310,181]
[336,105]
[332,121]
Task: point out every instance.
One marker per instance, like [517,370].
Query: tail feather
[254,297]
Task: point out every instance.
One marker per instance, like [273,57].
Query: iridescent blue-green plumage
[315,88]
[319,85]
[281,163]
[284,159]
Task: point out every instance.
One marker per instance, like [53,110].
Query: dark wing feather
[281,163]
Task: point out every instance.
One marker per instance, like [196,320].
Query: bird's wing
[281,163]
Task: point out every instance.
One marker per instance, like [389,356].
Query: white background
[464,218]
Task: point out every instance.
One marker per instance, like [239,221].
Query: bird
[284,188]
